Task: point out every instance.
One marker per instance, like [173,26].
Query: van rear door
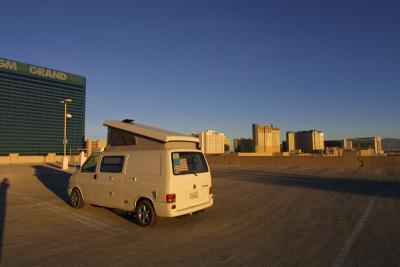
[191,179]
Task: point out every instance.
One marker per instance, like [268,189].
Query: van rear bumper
[165,210]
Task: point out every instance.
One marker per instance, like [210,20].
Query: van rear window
[188,162]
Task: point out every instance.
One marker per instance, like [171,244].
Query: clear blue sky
[221,65]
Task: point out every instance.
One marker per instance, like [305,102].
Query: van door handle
[111,178]
[95,176]
[134,179]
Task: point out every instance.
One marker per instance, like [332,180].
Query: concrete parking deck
[274,217]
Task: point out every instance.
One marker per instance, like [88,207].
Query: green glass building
[31,116]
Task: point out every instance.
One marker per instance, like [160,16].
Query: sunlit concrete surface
[274,217]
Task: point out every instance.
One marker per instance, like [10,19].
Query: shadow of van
[55,180]
[129,216]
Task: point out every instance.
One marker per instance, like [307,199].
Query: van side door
[87,178]
[109,181]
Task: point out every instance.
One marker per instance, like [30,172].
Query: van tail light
[210,190]
[170,198]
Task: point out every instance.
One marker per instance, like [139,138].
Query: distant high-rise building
[31,116]
[226,144]
[290,141]
[212,142]
[374,143]
[378,144]
[342,143]
[284,146]
[266,139]
[348,144]
[93,146]
[243,145]
[309,141]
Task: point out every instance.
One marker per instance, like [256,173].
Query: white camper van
[145,170]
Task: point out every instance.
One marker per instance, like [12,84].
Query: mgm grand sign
[34,70]
[22,68]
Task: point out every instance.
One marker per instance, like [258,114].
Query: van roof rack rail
[128,120]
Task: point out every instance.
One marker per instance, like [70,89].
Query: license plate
[194,195]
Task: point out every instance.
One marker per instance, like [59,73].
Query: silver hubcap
[144,214]
[74,198]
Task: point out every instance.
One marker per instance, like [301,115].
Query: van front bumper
[166,210]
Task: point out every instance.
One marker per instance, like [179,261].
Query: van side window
[112,164]
[90,164]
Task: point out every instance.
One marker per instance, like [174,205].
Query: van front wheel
[76,199]
[145,214]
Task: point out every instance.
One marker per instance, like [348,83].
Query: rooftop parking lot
[291,217]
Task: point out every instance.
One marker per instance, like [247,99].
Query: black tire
[76,199]
[145,214]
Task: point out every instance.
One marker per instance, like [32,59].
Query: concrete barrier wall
[30,159]
[386,163]
[4,160]
[50,158]
[349,161]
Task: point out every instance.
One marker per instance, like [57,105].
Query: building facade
[93,146]
[243,145]
[212,142]
[290,142]
[266,139]
[374,143]
[309,141]
[334,151]
[32,117]
[342,143]
[227,144]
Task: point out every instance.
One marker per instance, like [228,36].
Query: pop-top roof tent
[129,135]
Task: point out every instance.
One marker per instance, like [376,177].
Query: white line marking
[74,216]
[353,236]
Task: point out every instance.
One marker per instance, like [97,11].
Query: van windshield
[188,162]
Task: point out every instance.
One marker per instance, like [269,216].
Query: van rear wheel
[145,214]
[76,199]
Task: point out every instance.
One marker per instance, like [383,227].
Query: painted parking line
[356,231]
[104,228]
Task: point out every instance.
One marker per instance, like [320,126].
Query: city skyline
[191,66]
